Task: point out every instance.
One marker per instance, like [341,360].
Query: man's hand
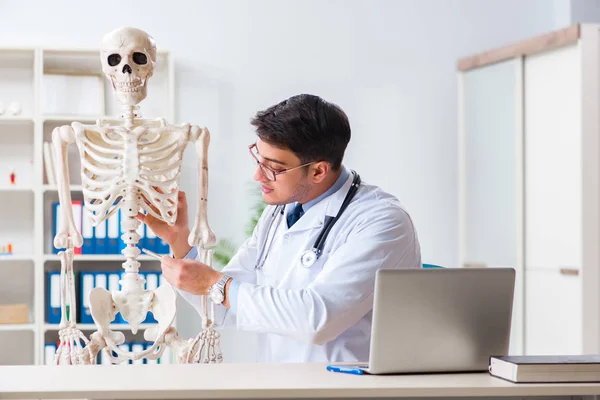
[177,235]
[190,275]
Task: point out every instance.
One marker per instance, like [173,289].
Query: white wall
[583,11]
[389,64]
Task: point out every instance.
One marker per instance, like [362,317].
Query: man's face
[289,186]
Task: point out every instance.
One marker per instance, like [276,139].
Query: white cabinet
[554,324]
[490,195]
[489,160]
[530,182]
[552,132]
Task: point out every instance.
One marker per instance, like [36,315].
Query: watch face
[216,296]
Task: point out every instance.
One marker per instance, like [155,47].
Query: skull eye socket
[114,59]
[139,58]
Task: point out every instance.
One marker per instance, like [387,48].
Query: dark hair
[312,128]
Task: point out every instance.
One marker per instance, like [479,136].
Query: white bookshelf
[25,207]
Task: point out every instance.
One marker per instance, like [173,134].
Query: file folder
[49,353]
[163,247]
[87,282]
[87,232]
[112,233]
[53,297]
[151,241]
[101,241]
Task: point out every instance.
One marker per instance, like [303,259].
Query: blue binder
[112,233]
[163,247]
[87,282]
[151,240]
[55,219]
[53,297]
[101,239]
[87,232]
[49,353]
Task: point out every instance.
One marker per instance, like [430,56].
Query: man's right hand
[177,235]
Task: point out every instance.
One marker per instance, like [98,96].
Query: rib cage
[144,159]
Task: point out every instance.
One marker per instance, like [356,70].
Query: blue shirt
[235,284]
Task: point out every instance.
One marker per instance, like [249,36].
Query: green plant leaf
[225,249]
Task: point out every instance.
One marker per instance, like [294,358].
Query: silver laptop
[439,320]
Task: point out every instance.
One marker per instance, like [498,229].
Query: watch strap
[220,285]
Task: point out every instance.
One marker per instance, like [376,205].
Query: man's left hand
[189,275]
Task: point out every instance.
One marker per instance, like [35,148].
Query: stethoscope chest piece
[308,258]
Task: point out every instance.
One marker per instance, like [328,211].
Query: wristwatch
[217,291]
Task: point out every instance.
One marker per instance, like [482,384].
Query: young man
[308,306]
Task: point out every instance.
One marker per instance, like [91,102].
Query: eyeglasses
[268,172]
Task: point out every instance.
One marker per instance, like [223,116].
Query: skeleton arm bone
[201,234]
[61,138]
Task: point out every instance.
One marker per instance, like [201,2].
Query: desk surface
[254,381]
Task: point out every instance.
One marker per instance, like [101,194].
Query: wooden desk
[246,381]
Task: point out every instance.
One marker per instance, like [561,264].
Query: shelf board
[12,257]
[15,119]
[17,58]
[98,257]
[16,188]
[16,327]
[53,188]
[92,327]
[67,119]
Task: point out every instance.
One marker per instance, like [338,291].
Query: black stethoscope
[309,257]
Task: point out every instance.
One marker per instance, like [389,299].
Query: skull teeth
[129,86]
[130,89]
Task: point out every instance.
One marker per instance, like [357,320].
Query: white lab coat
[322,313]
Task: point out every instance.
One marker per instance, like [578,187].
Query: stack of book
[546,368]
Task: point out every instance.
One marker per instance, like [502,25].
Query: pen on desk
[152,254]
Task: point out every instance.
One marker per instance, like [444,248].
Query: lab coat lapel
[315,216]
[338,198]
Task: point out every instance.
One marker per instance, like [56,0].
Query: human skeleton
[131,164]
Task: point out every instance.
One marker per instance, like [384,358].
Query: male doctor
[306,308]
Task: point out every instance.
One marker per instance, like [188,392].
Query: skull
[128,58]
